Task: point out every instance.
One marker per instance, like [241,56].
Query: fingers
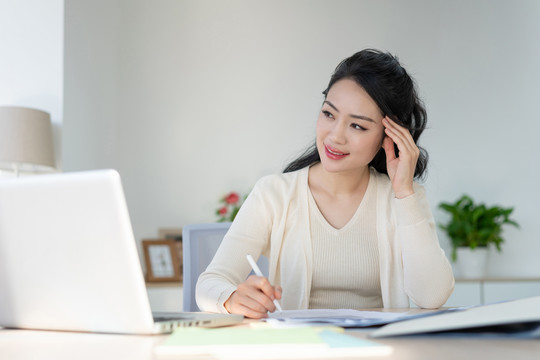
[277,292]
[263,285]
[388,145]
[253,298]
[401,137]
[260,293]
[238,304]
[400,168]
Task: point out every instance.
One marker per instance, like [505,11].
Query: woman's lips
[333,153]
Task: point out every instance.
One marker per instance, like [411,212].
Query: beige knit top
[346,260]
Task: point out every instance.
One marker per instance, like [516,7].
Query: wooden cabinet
[486,291]
[465,294]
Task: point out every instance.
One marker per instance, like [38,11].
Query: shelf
[498,279]
[163,284]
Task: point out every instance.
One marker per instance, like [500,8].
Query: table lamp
[26,140]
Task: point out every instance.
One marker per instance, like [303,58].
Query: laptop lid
[68,259]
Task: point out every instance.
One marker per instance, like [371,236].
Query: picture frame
[174,233]
[162,260]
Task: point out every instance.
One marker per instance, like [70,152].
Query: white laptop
[68,259]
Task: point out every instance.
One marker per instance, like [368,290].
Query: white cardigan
[274,221]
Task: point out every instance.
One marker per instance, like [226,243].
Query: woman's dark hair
[388,84]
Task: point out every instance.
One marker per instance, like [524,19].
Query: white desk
[45,345]
[52,345]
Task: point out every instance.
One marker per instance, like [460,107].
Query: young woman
[346,225]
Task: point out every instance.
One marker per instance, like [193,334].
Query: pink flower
[229,206]
[232,198]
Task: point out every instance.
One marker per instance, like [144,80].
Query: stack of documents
[263,342]
[343,317]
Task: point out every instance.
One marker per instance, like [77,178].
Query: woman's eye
[328,114]
[357,127]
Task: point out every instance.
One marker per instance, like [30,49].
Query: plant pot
[471,263]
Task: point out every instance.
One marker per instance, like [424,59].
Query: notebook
[266,342]
[69,261]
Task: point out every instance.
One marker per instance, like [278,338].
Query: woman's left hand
[400,168]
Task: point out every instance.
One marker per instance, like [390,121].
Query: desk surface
[29,344]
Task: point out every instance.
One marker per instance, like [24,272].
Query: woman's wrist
[410,210]
[402,194]
[226,303]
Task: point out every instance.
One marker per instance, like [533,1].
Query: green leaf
[475,225]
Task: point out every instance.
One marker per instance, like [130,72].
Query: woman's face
[349,128]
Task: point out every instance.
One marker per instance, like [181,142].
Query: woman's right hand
[253,298]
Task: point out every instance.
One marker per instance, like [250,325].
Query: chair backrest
[199,244]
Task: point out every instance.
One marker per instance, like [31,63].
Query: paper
[263,342]
[338,317]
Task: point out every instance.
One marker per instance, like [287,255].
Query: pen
[258,272]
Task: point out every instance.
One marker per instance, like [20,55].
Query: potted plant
[472,228]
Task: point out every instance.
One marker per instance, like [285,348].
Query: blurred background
[192,99]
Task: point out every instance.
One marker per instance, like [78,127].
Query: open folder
[515,318]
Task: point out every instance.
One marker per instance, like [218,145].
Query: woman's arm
[428,278]
[249,234]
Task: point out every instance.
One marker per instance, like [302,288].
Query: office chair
[199,244]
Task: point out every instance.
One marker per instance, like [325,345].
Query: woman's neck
[339,184]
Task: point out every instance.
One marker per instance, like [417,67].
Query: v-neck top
[345,260]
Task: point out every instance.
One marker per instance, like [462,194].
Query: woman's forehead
[349,97]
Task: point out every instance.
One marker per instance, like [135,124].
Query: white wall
[192,99]
[31,58]
[91,85]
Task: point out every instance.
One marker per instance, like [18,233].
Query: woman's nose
[338,132]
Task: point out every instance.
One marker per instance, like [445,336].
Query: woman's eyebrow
[361,117]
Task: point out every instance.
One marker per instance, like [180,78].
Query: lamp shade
[26,139]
